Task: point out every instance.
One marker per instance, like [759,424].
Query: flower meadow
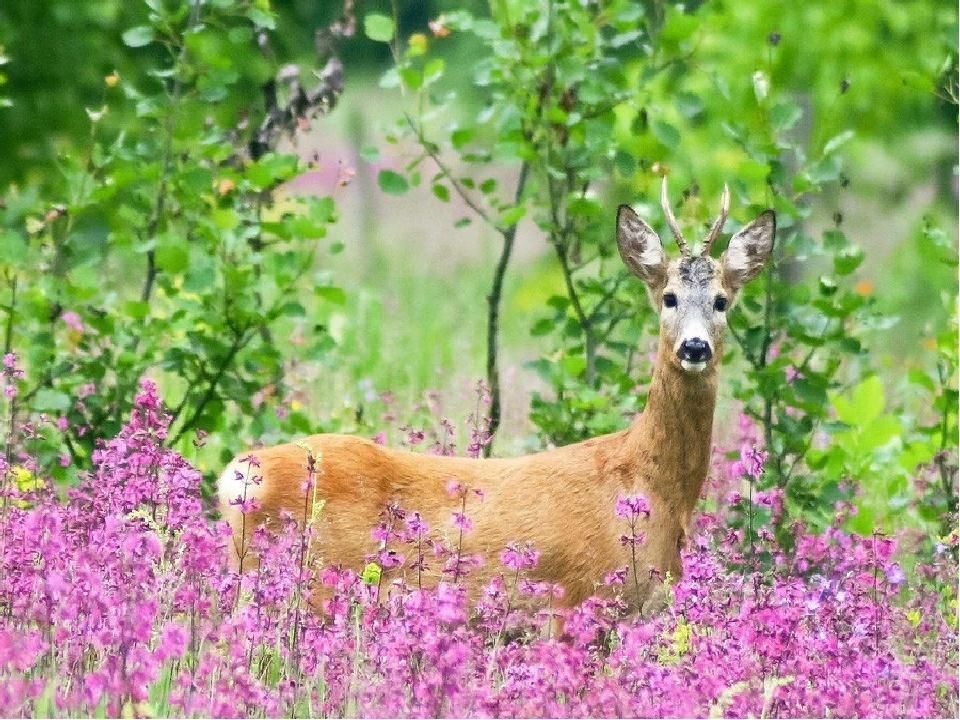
[116,599]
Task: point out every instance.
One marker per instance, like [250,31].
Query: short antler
[671,220]
[718,223]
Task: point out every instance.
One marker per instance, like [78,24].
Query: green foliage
[595,102]
[869,451]
[147,231]
[168,252]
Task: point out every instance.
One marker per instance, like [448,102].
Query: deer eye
[669,300]
[720,303]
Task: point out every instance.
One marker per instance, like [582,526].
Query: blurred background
[842,115]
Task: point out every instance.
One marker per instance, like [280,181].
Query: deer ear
[640,248]
[749,251]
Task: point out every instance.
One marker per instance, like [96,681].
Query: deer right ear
[641,249]
[749,250]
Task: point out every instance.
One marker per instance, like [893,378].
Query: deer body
[562,500]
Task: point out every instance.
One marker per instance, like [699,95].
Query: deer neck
[669,443]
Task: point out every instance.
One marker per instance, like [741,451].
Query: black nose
[695,350]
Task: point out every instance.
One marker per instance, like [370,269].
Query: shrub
[116,599]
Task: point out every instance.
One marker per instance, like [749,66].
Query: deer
[560,500]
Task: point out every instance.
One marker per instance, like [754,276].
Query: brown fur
[560,500]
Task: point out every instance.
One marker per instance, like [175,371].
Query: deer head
[693,293]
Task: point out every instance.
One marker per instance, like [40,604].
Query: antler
[671,220]
[718,223]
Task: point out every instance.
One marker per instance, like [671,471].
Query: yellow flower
[26,481]
[418,44]
[112,80]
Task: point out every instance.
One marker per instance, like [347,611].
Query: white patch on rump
[233,484]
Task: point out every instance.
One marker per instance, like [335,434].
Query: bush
[116,599]
[166,248]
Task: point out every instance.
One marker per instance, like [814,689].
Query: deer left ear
[641,249]
[749,250]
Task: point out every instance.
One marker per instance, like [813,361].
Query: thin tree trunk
[493,317]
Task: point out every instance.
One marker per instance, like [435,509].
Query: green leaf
[863,522]
[461,136]
[433,69]
[848,260]
[136,309]
[441,192]
[331,294]
[293,309]
[47,399]
[835,142]
[392,182]
[225,218]
[13,248]
[262,18]
[864,403]
[378,27]
[511,216]
[785,115]
[371,572]
[688,105]
[919,377]
[543,326]
[172,257]
[138,36]
[878,432]
[666,133]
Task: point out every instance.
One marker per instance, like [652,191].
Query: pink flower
[416,525]
[752,460]
[520,556]
[72,320]
[462,522]
[632,506]
[247,505]
[616,577]
[173,640]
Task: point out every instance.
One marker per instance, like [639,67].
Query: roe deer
[562,500]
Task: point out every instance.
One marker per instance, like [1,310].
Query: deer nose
[695,350]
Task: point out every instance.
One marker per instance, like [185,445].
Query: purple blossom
[461,521]
[416,525]
[72,320]
[632,506]
[124,579]
[895,574]
[520,556]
